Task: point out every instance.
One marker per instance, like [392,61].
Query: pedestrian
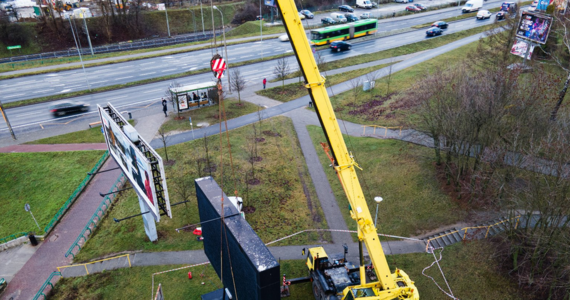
[264,82]
[310,103]
[164,107]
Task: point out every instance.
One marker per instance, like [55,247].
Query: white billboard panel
[135,165]
[520,47]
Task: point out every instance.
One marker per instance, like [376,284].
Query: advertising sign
[182,102]
[269,2]
[519,49]
[130,159]
[543,4]
[534,27]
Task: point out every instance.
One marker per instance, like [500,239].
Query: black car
[307,14]
[501,15]
[440,24]
[346,8]
[340,46]
[350,17]
[68,107]
[434,31]
[328,21]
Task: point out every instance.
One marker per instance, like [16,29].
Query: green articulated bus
[347,31]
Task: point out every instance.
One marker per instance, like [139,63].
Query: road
[76,80]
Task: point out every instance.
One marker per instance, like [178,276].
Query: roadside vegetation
[91,135]
[269,173]
[470,270]
[45,180]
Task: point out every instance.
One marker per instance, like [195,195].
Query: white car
[483,14]
[284,38]
[301,16]
[401,1]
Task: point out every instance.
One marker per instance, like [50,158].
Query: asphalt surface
[99,76]
[37,117]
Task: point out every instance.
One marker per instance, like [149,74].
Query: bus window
[315,36]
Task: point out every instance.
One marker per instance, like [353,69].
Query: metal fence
[75,194]
[12,237]
[96,218]
[45,285]
[111,48]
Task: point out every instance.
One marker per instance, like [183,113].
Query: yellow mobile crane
[387,285]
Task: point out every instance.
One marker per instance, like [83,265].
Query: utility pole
[88,37]
[202,15]
[6,120]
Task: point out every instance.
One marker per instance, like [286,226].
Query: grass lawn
[296,90]
[277,196]
[251,28]
[470,270]
[91,135]
[208,115]
[404,175]
[44,180]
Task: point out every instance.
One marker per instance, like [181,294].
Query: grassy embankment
[278,200]
[44,180]
[470,270]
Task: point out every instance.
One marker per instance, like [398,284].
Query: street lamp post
[202,15]
[260,23]
[378,200]
[79,52]
[194,18]
[225,47]
[166,13]
[88,38]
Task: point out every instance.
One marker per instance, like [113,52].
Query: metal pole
[213,26]
[6,120]
[376,219]
[202,15]
[80,58]
[35,220]
[166,13]
[88,37]
[225,48]
[260,23]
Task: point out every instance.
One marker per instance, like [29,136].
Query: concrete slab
[12,260]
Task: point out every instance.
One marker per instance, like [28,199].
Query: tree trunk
[560,99]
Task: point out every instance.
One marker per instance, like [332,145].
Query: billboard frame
[520,33]
[111,117]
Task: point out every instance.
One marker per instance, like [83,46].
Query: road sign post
[27,208]
[192,127]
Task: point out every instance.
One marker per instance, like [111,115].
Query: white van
[338,17]
[472,6]
[364,4]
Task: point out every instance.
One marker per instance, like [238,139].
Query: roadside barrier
[385,129]
[76,193]
[44,286]
[12,237]
[96,218]
[82,269]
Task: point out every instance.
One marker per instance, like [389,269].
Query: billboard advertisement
[134,164]
[269,2]
[182,102]
[534,27]
[520,47]
[543,4]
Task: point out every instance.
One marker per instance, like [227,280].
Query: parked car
[346,8]
[284,38]
[365,15]
[339,18]
[363,4]
[440,24]
[307,14]
[500,15]
[61,108]
[483,14]
[328,21]
[350,17]
[401,1]
[434,31]
[301,16]
[340,46]
[374,4]
[412,8]
[421,6]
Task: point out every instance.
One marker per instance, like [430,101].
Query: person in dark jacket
[164,107]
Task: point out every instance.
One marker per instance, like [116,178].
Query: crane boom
[389,285]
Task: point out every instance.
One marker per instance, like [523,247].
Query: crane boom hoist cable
[388,285]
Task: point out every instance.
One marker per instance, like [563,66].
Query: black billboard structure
[249,269]
[140,164]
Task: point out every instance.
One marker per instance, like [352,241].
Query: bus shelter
[194,95]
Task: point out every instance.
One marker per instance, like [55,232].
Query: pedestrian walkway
[51,252]
[53,147]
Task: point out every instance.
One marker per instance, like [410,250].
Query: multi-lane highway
[100,76]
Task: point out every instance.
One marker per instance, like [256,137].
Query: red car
[412,8]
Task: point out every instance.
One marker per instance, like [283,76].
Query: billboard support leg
[149,225]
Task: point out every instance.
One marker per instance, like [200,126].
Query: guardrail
[84,265]
[385,129]
[12,237]
[75,194]
[474,229]
[96,218]
[44,286]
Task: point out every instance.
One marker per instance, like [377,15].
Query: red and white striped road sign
[218,66]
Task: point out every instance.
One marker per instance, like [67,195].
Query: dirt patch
[254,181]
[249,209]
[170,162]
[255,159]
[271,133]
[260,140]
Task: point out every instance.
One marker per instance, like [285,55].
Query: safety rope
[436,261]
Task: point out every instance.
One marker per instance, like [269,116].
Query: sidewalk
[50,254]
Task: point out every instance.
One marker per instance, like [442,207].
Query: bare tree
[238,82]
[355,88]
[164,139]
[389,79]
[281,70]
[561,33]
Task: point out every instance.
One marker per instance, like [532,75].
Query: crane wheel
[317,291]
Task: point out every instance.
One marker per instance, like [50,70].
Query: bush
[248,13]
